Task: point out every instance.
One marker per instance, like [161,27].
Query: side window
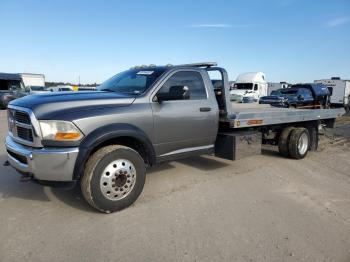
[307,93]
[192,80]
[255,87]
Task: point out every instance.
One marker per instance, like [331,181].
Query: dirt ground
[262,208]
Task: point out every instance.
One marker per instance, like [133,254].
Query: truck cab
[249,86]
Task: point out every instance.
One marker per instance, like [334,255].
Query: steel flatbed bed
[254,115]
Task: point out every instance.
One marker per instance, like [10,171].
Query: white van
[249,86]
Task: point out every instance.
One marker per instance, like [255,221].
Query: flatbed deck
[252,115]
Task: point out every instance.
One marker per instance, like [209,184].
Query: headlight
[59,131]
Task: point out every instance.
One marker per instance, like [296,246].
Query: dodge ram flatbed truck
[105,139]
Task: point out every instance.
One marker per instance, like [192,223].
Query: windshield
[244,86]
[134,81]
[275,93]
[289,92]
[37,88]
[10,85]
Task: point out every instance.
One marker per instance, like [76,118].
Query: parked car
[299,96]
[82,89]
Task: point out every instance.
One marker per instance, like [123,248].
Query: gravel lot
[263,208]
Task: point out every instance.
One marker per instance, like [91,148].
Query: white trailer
[249,85]
[340,91]
[32,79]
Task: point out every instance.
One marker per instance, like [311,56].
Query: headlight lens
[59,131]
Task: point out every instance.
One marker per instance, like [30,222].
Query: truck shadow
[271,152]
[73,198]
[159,168]
[11,187]
[204,163]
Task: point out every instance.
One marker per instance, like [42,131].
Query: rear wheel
[114,178]
[299,143]
[283,141]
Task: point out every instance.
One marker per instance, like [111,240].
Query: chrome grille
[20,126]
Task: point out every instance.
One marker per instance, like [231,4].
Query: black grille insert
[18,157]
[22,117]
[25,133]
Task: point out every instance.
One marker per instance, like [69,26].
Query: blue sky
[290,40]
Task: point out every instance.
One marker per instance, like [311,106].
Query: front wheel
[113,179]
[299,143]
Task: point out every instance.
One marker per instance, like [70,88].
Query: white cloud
[338,21]
[221,26]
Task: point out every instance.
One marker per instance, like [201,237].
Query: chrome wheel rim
[118,179]
[303,144]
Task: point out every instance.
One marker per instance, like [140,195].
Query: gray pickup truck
[105,139]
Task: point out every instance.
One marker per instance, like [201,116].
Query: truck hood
[49,105]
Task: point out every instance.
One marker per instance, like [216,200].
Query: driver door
[184,125]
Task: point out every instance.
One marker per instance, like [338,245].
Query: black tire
[283,141]
[294,151]
[347,107]
[313,132]
[96,164]
[2,106]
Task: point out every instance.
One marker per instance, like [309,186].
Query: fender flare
[105,133]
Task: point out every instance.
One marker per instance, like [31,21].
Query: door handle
[205,109]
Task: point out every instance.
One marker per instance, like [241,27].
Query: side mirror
[300,97]
[175,93]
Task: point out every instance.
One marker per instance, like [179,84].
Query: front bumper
[50,164]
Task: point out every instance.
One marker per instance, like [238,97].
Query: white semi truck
[340,91]
[249,87]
